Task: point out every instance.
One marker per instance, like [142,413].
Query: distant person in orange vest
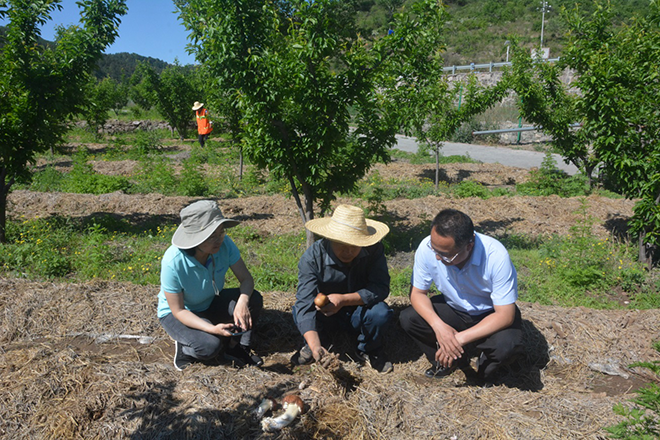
[204,125]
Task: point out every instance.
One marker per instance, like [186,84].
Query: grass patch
[577,270]
[580,270]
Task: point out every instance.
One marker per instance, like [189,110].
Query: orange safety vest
[203,124]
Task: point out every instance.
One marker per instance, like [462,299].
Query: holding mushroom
[343,281]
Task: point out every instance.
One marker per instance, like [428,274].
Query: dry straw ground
[90,360]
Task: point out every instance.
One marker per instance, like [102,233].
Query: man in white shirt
[476,312]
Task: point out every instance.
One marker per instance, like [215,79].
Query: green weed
[641,420]
[549,180]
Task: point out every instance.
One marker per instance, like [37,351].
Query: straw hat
[197,105]
[198,221]
[348,225]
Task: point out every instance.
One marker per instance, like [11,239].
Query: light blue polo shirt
[487,279]
[181,273]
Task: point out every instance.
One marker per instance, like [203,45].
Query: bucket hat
[197,105]
[348,225]
[198,221]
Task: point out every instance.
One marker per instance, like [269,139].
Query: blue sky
[150,28]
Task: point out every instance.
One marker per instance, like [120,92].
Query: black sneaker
[181,361]
[243,356]
[438,371]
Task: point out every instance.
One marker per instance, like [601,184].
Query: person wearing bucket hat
[476,314]
[204,124]
[348,266]
[203,318]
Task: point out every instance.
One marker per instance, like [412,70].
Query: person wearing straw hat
[197,312]
[348,266]
[476,313]
[204,124]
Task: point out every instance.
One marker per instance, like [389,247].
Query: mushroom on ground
[293,406]
[321,300]
[267,404]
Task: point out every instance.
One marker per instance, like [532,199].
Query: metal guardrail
[518,130]
[490,66]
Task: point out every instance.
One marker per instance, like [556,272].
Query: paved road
[486,154]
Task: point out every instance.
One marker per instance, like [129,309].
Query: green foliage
[155,175]
[617,78]
[145,142]
[191,181]
[84,180]
[549,180]
[464,132]
[470,188]
[48,180]
[42,87]
[642,420]
[172,93]
[579,269]
[101,97]
[296,69]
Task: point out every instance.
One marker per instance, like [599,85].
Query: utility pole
[545,7]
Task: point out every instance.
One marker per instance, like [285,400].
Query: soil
[89,360]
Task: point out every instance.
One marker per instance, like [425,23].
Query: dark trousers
[499,349]
[202,139]
[205,346]
[369,322]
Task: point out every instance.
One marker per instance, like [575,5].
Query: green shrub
[470,188]
[191,181]
[550,180]
[155,175]
[579,269]
[36,248]
[145,142]
[464,132]
[47,180]
[84,180]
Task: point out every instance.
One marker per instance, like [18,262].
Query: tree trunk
[4,192]
[437,165]
[309,211]
[240,163]
[644,256]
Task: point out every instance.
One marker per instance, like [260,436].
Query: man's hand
[449,347]
[333,306]
[319,353]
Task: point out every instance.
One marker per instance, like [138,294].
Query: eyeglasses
[217,235]
[442,257]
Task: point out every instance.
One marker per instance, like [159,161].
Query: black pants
[499,349]
[202,345]
[202,138]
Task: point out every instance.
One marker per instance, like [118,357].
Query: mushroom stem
[266,405]
[293,406]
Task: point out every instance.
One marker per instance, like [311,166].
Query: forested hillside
[122,65]
[476,30]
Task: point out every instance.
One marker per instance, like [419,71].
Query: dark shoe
[243,356]
[181,361]
[377,359]
[304,356]
[438,371]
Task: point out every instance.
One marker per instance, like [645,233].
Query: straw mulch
[71,366]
